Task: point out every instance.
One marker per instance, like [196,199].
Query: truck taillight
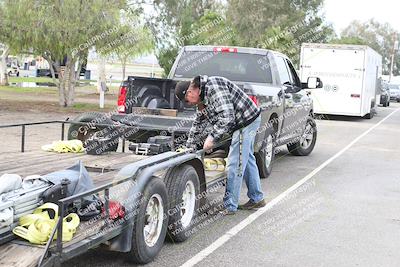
[254,99]
[225,49]
[122,99]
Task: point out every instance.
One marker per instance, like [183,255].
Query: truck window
[282,70]
[240,67]
[293,75]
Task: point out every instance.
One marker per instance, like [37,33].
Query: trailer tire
[183,186]
[84,132]
[154,199]
[266,155]
[299,148]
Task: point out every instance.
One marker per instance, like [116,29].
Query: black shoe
[250,205]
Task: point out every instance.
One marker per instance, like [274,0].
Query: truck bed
[101,168]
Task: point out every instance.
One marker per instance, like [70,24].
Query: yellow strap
[37,227]
[75,146]
[214,164]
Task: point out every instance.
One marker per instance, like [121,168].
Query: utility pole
[395,48]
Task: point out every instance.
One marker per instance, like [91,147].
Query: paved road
[347,214]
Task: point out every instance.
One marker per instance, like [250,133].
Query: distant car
[394,92]
[385,94]
[13,71]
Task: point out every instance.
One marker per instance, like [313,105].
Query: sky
[341,12]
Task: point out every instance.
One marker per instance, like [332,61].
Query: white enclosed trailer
[350,76]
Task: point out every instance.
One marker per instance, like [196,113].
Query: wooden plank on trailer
[12,254]
[155,111]
[31,159]
[45,166]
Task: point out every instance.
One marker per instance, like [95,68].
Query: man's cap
[181,89]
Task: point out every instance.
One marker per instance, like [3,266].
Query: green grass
[16,89]
[48,80]
[31,79]
[89,89]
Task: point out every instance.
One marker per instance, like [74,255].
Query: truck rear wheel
[85,132]
[307,141]
[266,155]
[150,226]
[183,187]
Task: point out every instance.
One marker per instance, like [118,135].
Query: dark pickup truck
[268,77]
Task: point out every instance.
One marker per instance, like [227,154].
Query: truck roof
[248,50]
[239,49]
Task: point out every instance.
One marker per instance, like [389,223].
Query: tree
[5,32]
[278,25]
[132,39]
[379,36]
[61,32]
[4,52]
[174,25]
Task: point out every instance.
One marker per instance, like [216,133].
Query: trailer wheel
[307,141]
[150,226]
[85,132]
[266,155]
[183,187]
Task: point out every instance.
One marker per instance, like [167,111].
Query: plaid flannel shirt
[227,108]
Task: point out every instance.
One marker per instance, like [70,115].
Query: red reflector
[254,99]
[122,99]
[225,49]
[355,95]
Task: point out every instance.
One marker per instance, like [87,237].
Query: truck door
[289,98]
[301,101]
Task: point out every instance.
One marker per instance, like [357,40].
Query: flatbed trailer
[108,171]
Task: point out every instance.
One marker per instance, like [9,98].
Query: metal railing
[67,121]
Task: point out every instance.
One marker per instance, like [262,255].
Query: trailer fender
[123,242]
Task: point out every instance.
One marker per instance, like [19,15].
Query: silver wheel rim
[188,203]
[307,137]
[153,220]
[268,151]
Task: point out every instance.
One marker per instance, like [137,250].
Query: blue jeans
[247,169]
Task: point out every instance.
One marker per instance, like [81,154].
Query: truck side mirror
[314,82]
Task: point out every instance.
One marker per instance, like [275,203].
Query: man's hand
[208,144]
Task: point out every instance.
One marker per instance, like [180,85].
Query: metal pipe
[62,130]
[23,139]
[60,227]
[107,205]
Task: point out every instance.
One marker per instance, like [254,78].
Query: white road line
[235,230]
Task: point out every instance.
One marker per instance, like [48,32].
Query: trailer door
[341,71]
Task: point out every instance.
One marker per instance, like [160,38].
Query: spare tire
[158,102]
[87,131]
